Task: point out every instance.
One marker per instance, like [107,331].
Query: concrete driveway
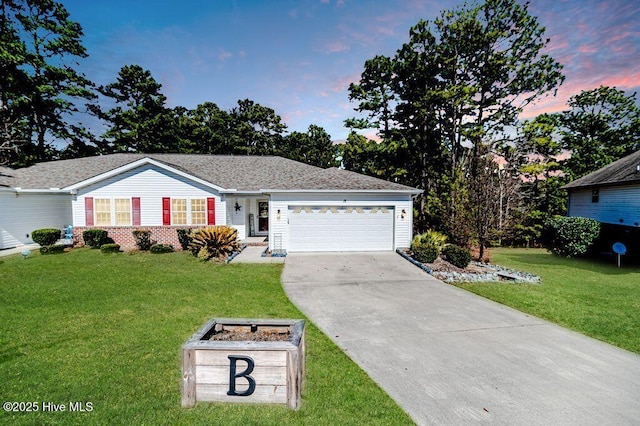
[453,358]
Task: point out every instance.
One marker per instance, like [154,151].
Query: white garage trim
[341,228]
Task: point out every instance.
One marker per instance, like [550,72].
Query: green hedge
[53,249]
[46,236]
[570,236]
[110,248]
[426,247]
[143,239]
[95,238]
[184,237]
[161,248]
[456,255]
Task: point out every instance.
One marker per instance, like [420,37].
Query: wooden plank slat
[188,378]
[218,393]
[261,358]
[207,374]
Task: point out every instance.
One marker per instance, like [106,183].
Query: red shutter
[166,211]
[135,206]
[211,211]
[88,211]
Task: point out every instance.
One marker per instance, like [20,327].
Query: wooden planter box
[244,371]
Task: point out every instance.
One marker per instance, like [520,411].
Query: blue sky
[298,57]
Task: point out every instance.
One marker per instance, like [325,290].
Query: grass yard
[593,298]
[107,329]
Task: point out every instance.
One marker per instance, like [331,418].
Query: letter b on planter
[234,375]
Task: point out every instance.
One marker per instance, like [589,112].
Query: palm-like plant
[217,242]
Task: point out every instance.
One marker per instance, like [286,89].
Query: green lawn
[107,329]
[594,298]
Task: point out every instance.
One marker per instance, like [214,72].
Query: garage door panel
[340,229]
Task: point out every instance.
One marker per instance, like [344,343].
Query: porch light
[237,206]
[403,214]
[278,214]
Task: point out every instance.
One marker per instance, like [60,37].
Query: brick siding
[123,236]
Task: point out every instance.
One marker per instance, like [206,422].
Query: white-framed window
[178,211]
[198,211]
[102,211]
[122,211]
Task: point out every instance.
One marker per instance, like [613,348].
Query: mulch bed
[255,336]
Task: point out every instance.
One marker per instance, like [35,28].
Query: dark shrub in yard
[570,236]
[46,236]
[52,249]
[161,248]
[456,255]
[110,248]
[427,246]
[95,238]
[184,238]
[143,239]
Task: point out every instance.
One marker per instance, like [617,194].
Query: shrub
[143,239]
[110,248]
[184,237]
[95,238]
[46,236]
[427,246]
[161,248]
[214,242]
[570,236]
[456,255]
[52,249]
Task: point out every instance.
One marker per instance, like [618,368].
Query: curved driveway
[453,358]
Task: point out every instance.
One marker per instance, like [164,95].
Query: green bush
[427,246]
[217,242]
[52,249]
[161,248]
[570,236]
[110,248]
[456,255]
[95,238]
[46,236]
[143,239]
[184,237]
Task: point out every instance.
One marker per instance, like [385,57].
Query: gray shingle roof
[620,172]
[244,173]
[6,177]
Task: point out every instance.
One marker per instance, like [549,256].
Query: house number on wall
[234,375]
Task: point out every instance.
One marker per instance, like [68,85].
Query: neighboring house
[297,206]
[611,195]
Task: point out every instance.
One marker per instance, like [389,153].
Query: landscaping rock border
[494,274]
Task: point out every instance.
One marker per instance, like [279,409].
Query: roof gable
[623,171]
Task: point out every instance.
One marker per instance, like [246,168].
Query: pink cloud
[334,47]
[342,83]
[585,48]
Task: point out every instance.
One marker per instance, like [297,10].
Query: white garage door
[340,228]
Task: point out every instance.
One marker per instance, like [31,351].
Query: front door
[263,216]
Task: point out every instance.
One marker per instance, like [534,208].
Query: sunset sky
[299,56]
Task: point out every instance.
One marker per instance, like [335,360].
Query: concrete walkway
[16,250]
[253,254]
[449,357]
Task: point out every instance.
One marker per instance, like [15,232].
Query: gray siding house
[611,195]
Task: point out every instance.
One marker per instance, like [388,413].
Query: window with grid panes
[198,211]
[178,211]
[123,211]
[102,211]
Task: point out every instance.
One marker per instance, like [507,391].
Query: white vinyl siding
[151,184]
[21,214]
